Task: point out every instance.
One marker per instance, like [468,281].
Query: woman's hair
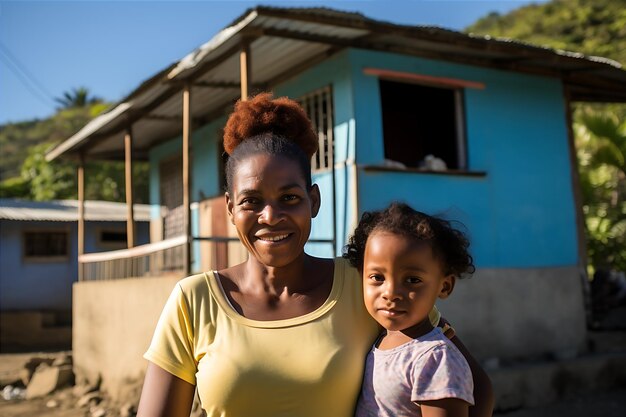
[448,244]
[264,125]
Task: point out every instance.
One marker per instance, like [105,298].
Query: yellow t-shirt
[310,365]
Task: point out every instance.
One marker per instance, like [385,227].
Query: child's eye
[377,278]
[413,280]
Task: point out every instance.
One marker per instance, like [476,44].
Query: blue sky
[110,47]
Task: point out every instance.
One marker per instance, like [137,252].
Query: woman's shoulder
[197,286]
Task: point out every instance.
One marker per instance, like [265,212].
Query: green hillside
[593,27]
[24,172]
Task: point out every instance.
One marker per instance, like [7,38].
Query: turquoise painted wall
[522,213]
[205,153]
[335,72]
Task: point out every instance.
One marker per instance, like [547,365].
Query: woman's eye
[249,201]
[290,198]
[413,280]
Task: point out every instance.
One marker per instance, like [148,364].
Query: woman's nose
[270,214]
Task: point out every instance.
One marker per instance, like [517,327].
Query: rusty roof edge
[192,59]
[90,128]
[360,21]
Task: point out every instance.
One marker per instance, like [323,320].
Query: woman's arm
[164,394]
[483,391]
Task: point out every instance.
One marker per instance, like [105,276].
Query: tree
[601,144]
[78,97]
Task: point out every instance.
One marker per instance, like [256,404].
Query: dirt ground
[607,404]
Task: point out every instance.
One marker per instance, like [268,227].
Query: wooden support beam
[578,203]
[187,173]
[245,68]
[217,84]
[128,176]
[81,212]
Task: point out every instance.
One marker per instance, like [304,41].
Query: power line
[27,79]
[18,74]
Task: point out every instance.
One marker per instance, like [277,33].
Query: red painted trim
[426,79]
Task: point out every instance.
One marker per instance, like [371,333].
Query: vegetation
[25,173]
[594,27]
[78,97]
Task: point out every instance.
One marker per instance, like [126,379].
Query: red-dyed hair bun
[263,114]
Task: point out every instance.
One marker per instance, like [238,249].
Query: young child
[408,260]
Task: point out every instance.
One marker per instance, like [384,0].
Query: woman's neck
[285,280]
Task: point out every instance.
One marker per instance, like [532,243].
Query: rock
[29,367]
[90,399]
[47,379]
[128,410]
[13,393]
[81,390]
[64,359]
[98,412]
[52,404]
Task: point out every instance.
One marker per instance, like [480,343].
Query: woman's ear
[447,286]
[316,200]
[229,207]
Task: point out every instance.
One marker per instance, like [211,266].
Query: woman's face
[271,207]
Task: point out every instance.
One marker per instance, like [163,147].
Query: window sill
[453,172]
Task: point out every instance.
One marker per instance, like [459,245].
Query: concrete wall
[113,325]
[519,313]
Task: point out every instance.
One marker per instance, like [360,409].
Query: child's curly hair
[449,245]
[272,126]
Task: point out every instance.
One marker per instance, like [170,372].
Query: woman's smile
[271,206]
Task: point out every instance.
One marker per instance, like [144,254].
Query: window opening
[171,179]
[45,244]
[318,107]
[423,126]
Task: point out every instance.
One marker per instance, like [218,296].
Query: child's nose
[390,291]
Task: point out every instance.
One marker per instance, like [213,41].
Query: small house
[38,255]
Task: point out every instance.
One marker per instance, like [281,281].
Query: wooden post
[187,173]
[81,212]
[578,202]
[128,170]
[245,69]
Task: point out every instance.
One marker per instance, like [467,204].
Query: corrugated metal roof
[288,39]
[67,210]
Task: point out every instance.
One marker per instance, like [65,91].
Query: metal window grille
[45,244]
[318,106]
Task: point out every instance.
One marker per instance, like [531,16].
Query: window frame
[458,86]
[46,258]
[325,137]
[111,245]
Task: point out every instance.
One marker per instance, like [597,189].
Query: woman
[284,333]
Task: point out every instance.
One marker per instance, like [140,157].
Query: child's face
[401,280]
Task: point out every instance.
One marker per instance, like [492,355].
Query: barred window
[318,106]
[46,244]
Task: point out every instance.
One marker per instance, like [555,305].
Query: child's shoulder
[436,346]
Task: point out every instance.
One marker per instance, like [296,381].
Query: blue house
[39,263]
[473,128]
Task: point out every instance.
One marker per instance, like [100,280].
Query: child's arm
[447,407]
